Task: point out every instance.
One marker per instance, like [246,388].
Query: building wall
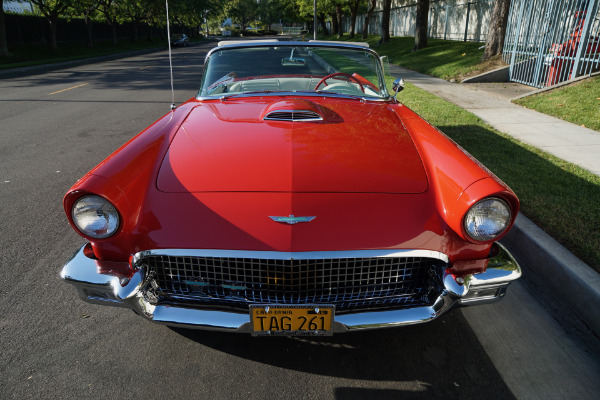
[447,19]
[17,6]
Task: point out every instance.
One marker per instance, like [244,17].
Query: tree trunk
[353,12]
[3,41]
[334,23]
[135,31]
[113,27]
[365,31]
[19,31]
[88,32]
[340,24]
[497,30]
[323,24]
[421,25]
[385,21]
[53,41]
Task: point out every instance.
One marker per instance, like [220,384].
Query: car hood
[356,147]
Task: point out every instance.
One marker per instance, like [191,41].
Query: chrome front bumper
[107,289]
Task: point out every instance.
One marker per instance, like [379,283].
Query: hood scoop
[293,116]
[296,110]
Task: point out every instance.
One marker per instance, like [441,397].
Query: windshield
[293,68]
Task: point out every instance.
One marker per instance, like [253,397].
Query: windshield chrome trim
[293,94]
[300,255]
[290,43]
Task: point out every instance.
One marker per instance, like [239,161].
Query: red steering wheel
[350,77]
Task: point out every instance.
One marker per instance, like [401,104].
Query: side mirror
[398,86]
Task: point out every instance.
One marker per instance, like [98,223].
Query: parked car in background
[180,40]
[294,195]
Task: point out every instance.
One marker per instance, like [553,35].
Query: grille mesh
[348,283]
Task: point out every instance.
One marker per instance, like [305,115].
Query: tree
[271,11]
[86,9]
[338,15]
[421,24]
[52,9]
[353,12]
[155,16]
[110,10]
[190,13]
[322,17]
[385,21]
[3,42]
[365,31]
[497,30]
[132,11]
[324,9]
[241,11]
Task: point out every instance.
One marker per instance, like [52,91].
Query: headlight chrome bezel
[493,208]
[103,209]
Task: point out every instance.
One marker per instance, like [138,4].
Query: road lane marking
[73,87]
[147,66]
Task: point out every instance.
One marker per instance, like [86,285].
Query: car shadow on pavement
[439,359]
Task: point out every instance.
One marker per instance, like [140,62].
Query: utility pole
[315,22]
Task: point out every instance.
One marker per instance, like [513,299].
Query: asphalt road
[54,127]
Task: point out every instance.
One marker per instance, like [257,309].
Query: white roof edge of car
[236,42]
[362,44]
[232,42]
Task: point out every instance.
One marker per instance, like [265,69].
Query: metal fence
[552,41]
[448,19]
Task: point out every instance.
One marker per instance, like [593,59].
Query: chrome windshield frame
[312,44]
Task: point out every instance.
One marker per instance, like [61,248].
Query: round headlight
[487,219]
[95,217]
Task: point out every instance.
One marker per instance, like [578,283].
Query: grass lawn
[37,54]
[559,197]
[460,59]
[578,103]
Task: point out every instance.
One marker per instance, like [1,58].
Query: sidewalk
[570,142]
[571,280]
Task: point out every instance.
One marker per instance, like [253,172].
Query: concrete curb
[575,283]
[493,76]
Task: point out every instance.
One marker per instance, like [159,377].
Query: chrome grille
[294,116]
[348,283]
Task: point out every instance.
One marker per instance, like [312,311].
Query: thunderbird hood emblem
[292,219]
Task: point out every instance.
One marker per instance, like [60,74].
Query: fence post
[467,23]
[517,36]
[585,36]
[446,23]
[431,11]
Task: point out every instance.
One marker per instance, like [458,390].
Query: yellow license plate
[291,320]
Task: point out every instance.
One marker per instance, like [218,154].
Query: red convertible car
[293,196]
